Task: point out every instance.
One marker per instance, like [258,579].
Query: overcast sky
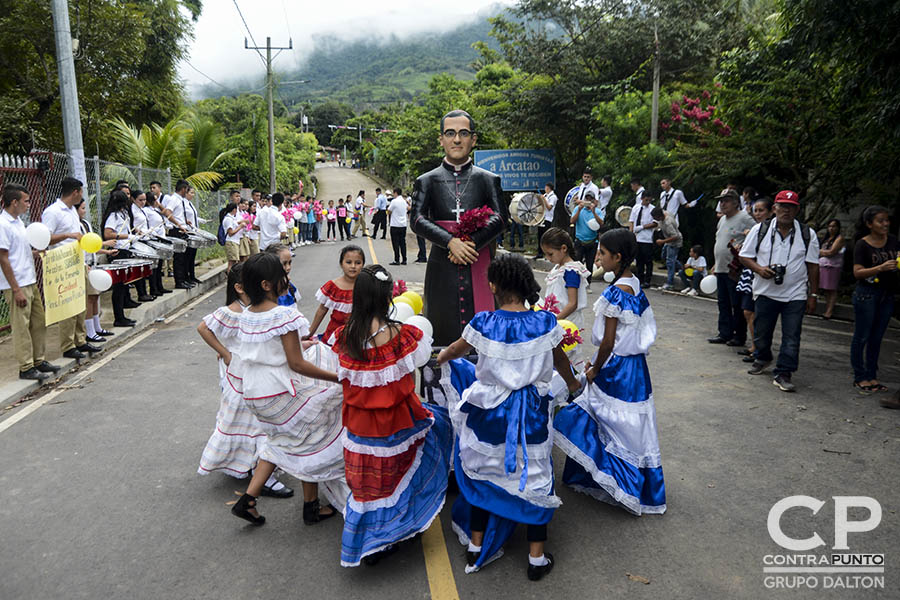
[218,46]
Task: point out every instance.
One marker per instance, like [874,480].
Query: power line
[188,63]
[244,21]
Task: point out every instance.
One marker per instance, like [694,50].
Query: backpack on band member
[764,229]
[220,235]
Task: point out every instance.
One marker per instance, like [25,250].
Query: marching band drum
[526,208]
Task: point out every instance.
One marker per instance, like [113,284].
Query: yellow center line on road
[437,560]
[372,251]
[437,564]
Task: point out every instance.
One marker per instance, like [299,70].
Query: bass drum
[526,208]
[622,215]
[570,198]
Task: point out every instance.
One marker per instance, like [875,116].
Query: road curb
[145,315]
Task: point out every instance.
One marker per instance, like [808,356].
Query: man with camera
[784,254]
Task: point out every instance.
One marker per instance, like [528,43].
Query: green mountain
[370,73]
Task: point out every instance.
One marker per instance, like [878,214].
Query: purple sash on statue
[482,297]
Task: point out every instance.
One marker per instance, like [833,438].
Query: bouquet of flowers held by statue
[471,221]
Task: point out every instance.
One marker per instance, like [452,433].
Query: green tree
[125,67]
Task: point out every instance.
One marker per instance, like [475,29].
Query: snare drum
[164,250]
[195,241]
[143,250]
[178,245]
[118,273]
[135,268]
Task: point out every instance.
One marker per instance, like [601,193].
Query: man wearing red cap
[785,256]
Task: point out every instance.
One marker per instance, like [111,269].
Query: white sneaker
[686,290]
[692,293]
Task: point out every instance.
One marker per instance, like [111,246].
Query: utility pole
[270,92]
[654,115]
[68,89]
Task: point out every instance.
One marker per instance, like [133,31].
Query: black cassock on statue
[453,294]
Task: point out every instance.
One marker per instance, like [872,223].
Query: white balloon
[100,279]
[594,225]
[708,284]
[609,276]
[420,322]
[38,236]
[401,312]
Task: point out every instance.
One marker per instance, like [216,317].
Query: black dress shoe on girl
[373,559]
[312,512]
[282,492]
[105,333]
[45,367]
[241,510]
[95,339]
[536,573]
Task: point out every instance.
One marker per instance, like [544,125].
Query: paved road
[99,495]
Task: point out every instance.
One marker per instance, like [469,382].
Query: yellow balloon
[324,212]
[404,300]
[570,327]
[416,300]
[689,272]
[296,230]
[348,219]
[91,242]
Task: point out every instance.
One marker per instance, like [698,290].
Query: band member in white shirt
[605,192]
[642,225]
[548,198]
[177,206]
[61,218]
[638,190]
[587,185]
[670,200]
[18,282]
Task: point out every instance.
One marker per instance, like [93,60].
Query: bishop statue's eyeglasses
[463,133]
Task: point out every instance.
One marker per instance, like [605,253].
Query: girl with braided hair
[609,432]
[501,411]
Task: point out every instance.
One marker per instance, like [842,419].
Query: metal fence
[42,172]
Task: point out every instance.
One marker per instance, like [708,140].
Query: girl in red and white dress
[396,449]
[337,294]
[281,382]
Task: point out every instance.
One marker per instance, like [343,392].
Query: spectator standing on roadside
[762,211]
[784,255]
[61,218]
[548,199]
[641,224]
[831,258]
[586,237]
[397,210]
[360,211]
[379,219]
[670,242]
[18,281]
[732,227]
[272,228]
[877,281]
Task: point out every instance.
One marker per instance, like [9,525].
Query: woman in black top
[876,271]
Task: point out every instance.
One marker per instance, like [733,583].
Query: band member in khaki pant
[18,282]
[61,218]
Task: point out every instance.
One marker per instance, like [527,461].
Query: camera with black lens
[779,273]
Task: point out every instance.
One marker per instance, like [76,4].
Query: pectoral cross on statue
[458,210]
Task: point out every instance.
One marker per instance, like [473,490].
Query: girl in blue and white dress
[609,432]
[501,413]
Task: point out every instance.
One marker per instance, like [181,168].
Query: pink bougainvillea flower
[717,122]
[706,94]
[676,118]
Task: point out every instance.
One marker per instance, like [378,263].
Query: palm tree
[188,145]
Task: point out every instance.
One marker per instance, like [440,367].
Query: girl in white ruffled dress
[292,391]
[609,432]
[567,280]
[234,445]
